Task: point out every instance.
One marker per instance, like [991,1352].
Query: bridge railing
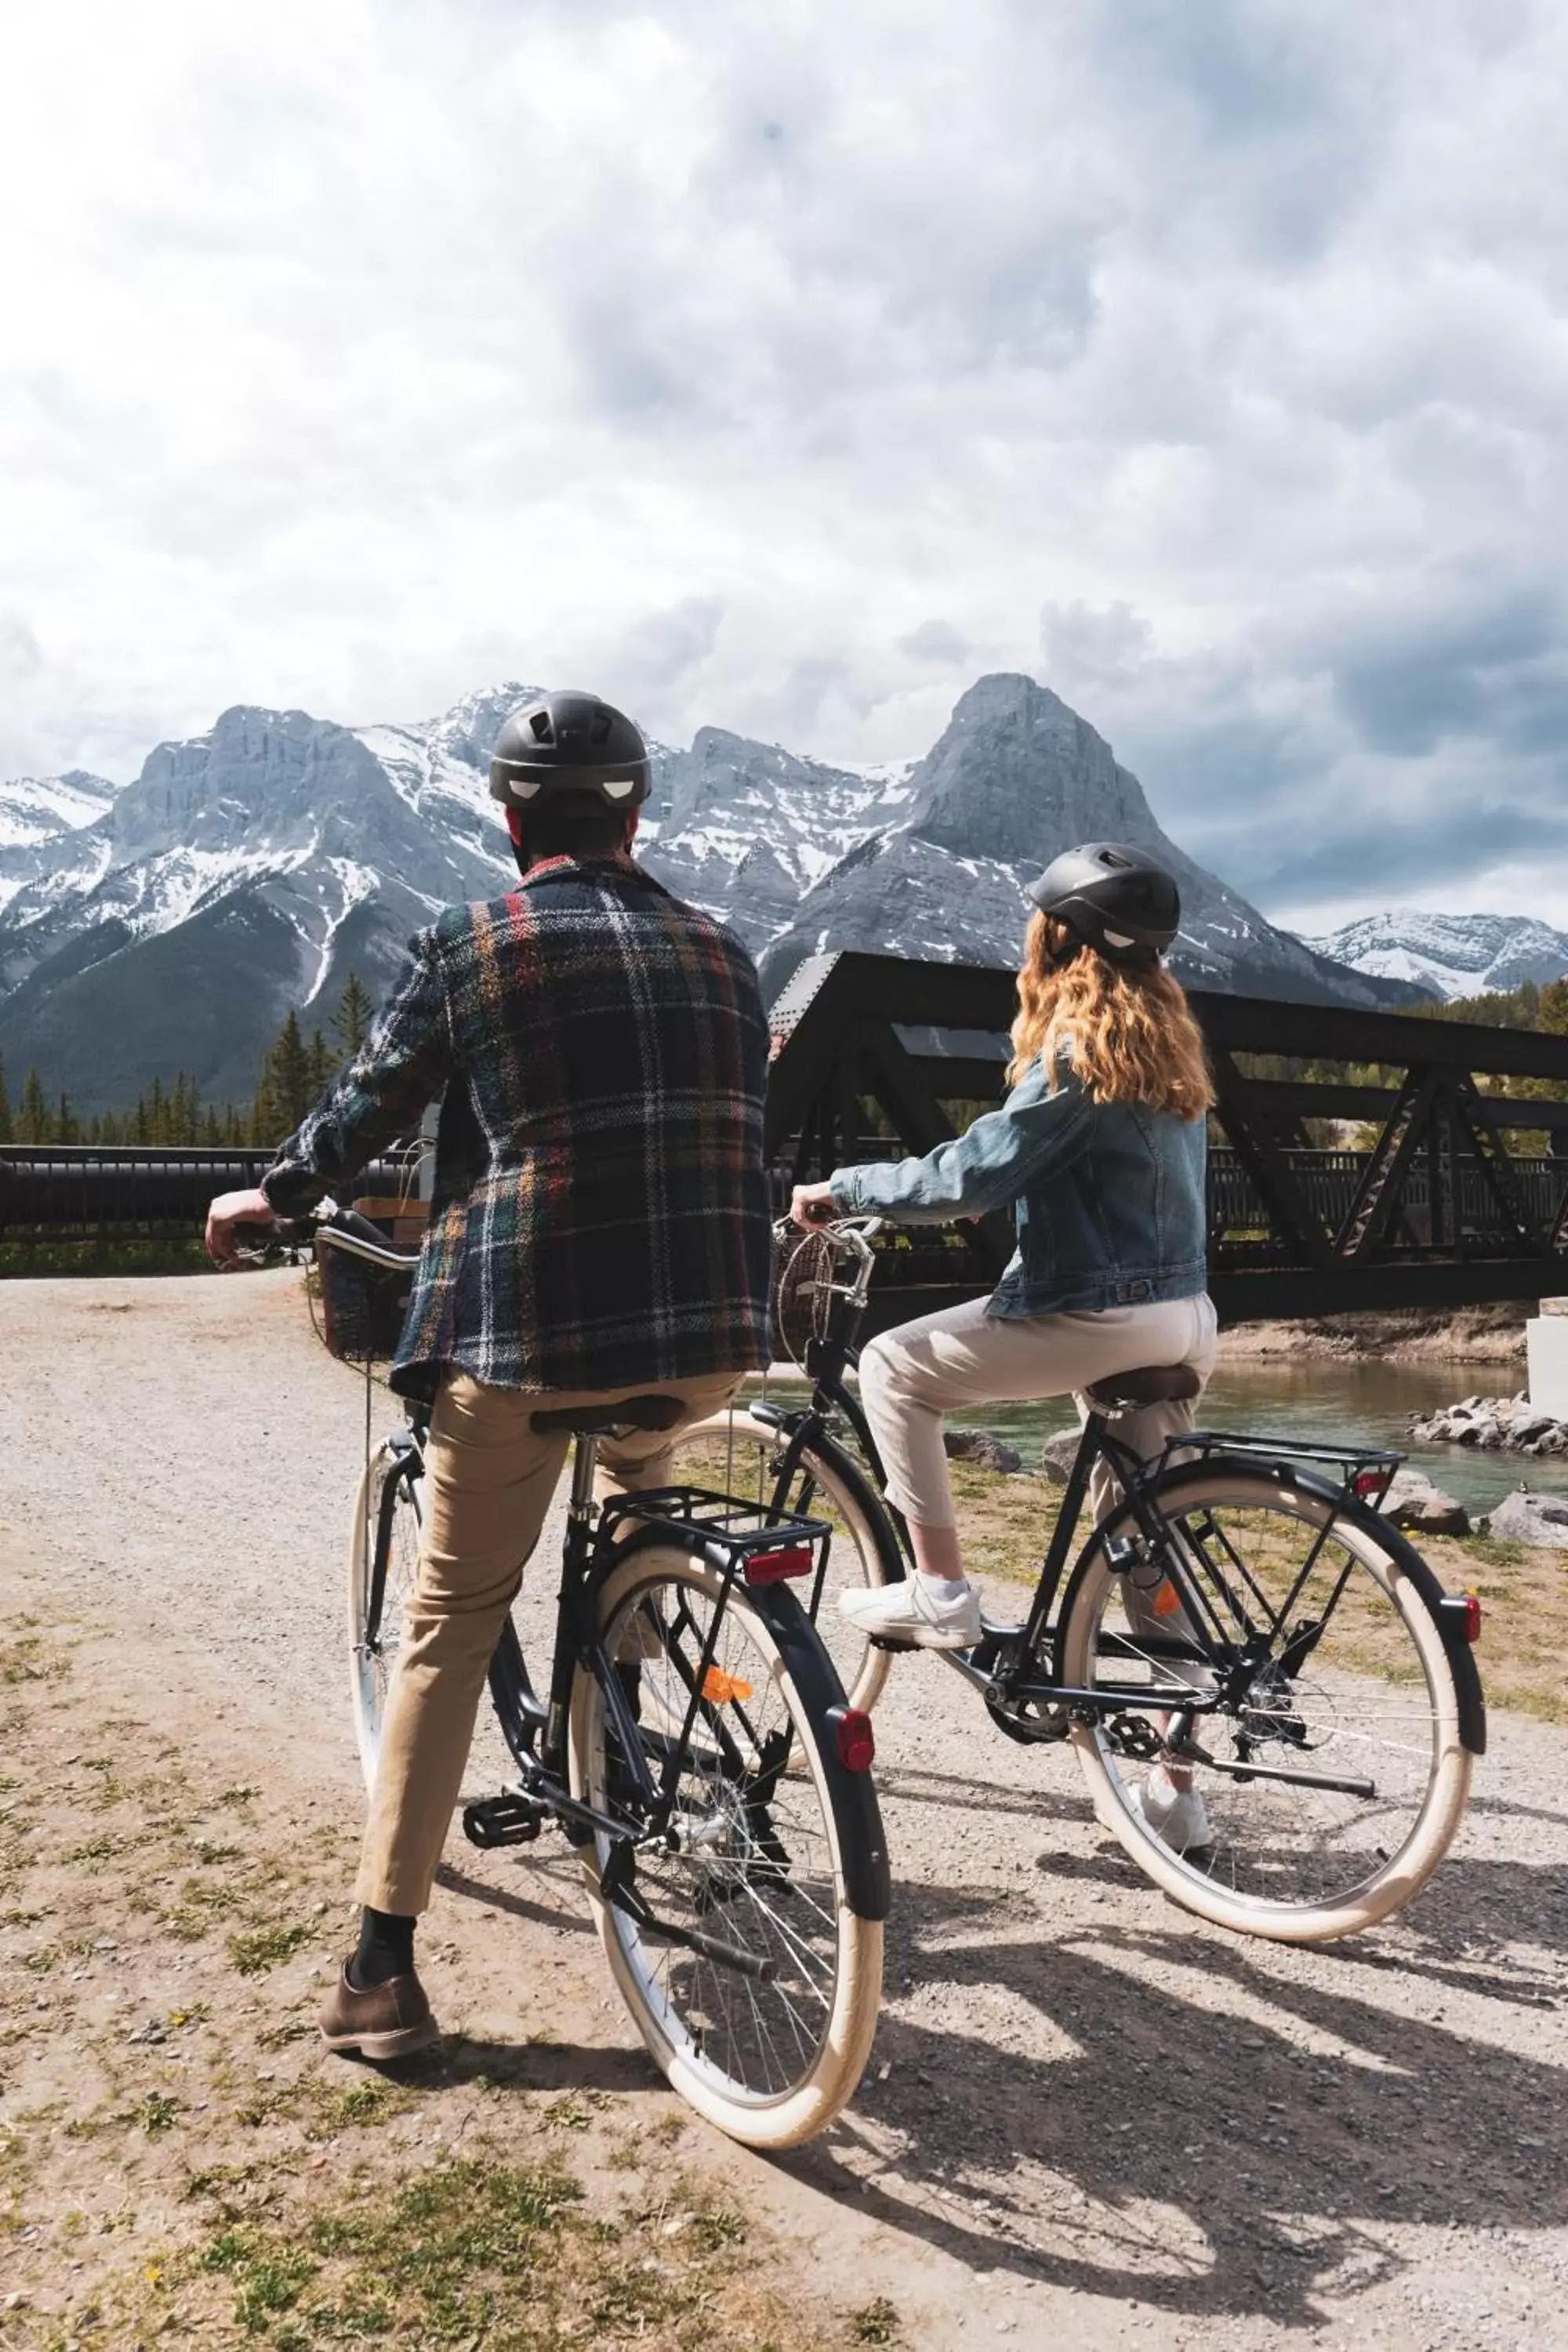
[136,1192]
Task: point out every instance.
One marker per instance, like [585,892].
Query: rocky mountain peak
[1016,773]
[259,779]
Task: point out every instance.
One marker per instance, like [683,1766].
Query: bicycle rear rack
[747,1540]
[1366,1471]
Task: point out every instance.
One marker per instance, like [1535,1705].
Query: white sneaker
[909,1611]
[1178,1817]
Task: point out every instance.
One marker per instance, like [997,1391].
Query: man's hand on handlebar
[811,1205]
[232,1209]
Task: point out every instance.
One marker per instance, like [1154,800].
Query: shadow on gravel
[556,1913]
[1183,2147]
[566,2066]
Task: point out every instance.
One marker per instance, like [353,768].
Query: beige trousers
[488,1481]
[963,1357]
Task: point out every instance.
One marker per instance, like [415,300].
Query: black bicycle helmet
[569,742]
[1115,897]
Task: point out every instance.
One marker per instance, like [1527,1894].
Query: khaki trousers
[488,1481]
[963,1357]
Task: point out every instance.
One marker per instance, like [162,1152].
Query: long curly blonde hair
[1130,1029]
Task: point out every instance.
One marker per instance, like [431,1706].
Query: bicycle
[1245,1611]
[694,1746]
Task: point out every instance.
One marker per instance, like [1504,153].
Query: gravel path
[1086,2111]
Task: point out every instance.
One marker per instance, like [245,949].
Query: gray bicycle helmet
[569,742]
[1115,897]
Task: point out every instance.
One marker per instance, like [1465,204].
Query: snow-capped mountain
[253,868]
[1450,955]
[1017,776]
[37,814]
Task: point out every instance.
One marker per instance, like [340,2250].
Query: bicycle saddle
[604,1420]
[1152,1384]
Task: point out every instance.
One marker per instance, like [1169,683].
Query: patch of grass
[270,2283]
[213,1854]
[573,2110]
[26,1659]
[367,2103]
[876,2322]
[157,2114]
[240,1795]
[260,1948]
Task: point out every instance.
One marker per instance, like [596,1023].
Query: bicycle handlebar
[341,1229]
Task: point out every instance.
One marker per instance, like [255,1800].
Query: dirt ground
[1087,2118]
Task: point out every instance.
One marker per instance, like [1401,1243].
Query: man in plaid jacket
[599,1229]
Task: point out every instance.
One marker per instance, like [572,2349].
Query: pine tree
[291,1072]
[67,1126]
[34,1122]
[350,1022]
[6,1134]
[323,1067]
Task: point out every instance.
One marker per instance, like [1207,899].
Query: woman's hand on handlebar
[812,1205]
[230,1209]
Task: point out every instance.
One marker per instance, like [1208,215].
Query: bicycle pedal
[890,1642]
[503,1821]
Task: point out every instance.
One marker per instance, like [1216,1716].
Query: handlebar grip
[349,1220]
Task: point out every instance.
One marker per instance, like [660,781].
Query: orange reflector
[720,1689]
[1167,1600]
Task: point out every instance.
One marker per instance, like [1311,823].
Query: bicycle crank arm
[572,1810]
[691,1939]
[1340,1784]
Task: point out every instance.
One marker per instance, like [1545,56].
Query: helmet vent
[540,727]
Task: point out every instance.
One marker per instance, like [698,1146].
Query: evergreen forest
[295,1070]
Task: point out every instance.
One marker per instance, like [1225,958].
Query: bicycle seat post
[585,1454]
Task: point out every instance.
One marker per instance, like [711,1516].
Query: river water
[1334,1403]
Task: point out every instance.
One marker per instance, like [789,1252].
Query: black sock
[385,1949]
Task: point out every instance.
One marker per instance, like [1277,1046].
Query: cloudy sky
[782,365]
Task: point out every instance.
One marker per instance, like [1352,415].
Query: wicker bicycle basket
[362,1306]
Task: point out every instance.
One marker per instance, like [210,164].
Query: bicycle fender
[863,1846]
[842,1464]
[1387,1536]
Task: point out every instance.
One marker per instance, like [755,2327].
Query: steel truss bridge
[874,1056]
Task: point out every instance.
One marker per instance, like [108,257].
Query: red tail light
[1368,1483]
[1463,1611]
[773,1566]
[854,1738]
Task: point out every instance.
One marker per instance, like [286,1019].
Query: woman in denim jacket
[1099,1151]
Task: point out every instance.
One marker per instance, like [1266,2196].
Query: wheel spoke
[1374,1679]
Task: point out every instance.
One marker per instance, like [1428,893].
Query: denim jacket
[1107,1198]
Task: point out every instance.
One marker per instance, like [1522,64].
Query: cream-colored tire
[770,2063]
[371,1666]
[732,1452]
[1375,1699]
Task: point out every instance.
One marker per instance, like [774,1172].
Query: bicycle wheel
[1355,1685]
[737,1453]
[386,1518]
[767,1860]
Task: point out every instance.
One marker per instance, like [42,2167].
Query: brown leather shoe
[386,2021]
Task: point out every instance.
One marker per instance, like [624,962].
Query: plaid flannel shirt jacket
[600,1215]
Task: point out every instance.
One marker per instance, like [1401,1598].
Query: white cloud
[707,351]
